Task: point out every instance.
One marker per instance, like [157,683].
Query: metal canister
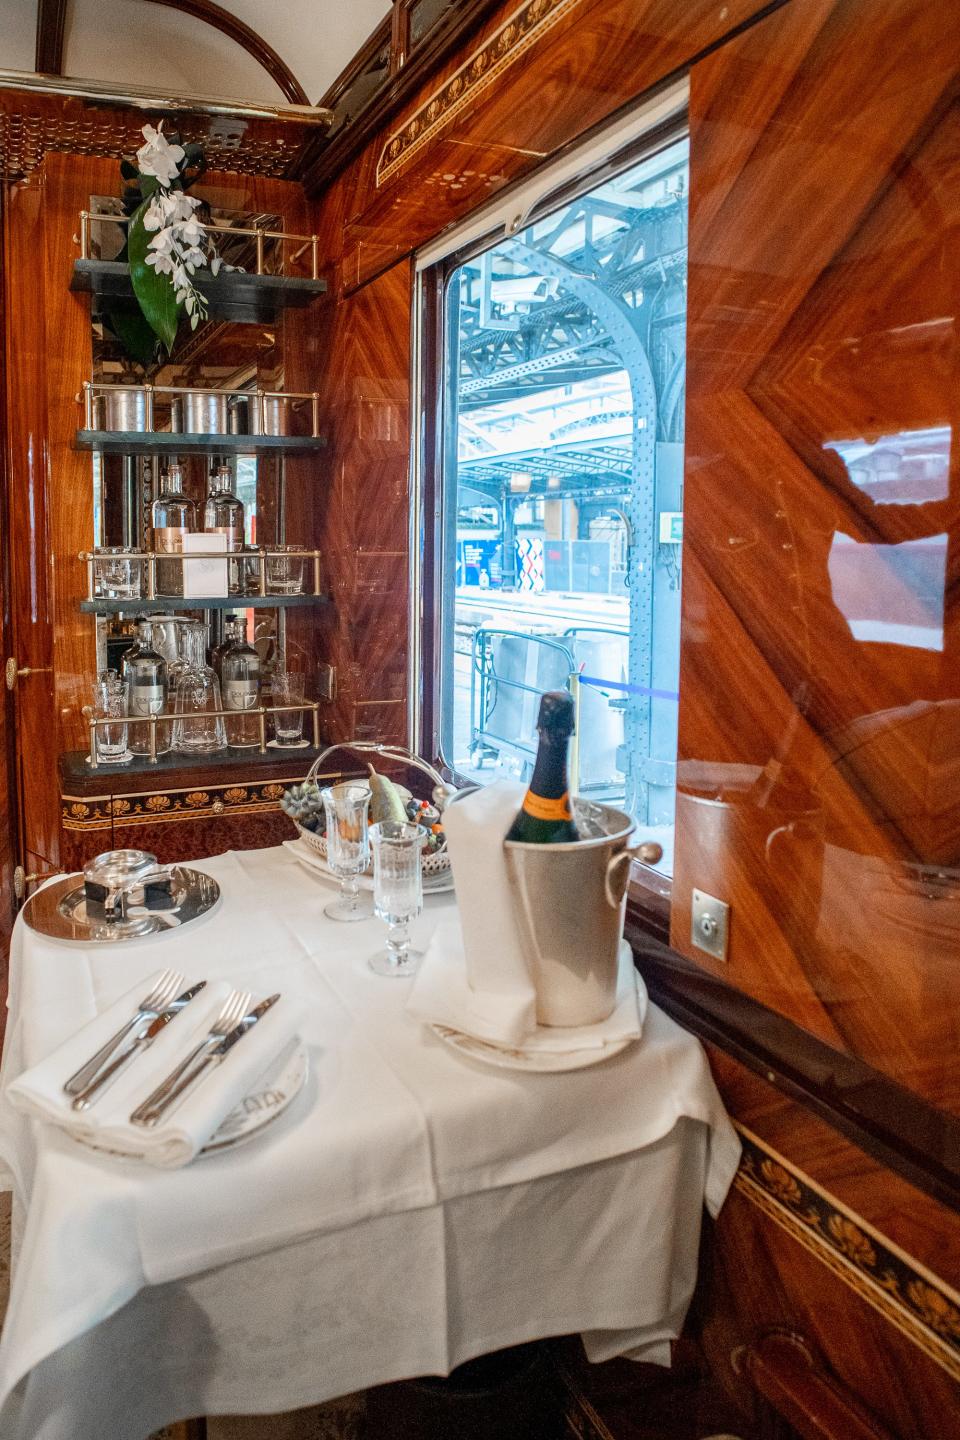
[124,410]
[268,415]
[204,413]
[569,904]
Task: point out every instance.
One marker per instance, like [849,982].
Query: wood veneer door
[8,809]
[820,681]
[29,637]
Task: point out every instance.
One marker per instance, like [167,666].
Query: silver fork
[149,1008]
[234,1008]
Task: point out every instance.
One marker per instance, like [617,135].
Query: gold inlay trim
[522,28]
[921,1306]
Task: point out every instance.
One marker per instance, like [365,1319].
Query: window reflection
[891,594]
[909,468]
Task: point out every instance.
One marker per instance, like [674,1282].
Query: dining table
[413,1207]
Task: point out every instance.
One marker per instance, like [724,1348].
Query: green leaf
[154,292]
[135,335]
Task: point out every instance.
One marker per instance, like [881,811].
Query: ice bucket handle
[648,853]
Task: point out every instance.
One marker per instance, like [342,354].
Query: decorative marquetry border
[99,812]
[522,28]
[921,1306]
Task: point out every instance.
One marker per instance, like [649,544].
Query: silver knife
[142,1041]
[165,1097]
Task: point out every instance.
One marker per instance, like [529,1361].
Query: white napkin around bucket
[441,996]
[183,1133]
[500,998]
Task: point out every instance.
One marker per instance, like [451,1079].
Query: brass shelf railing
[96,723]
[260,553]
[258,233]
[92,389]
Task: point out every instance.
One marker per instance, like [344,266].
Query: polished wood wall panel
[366,409]
[761,1279]
[909,1219]
[820,677]
[537,75]
[25,454]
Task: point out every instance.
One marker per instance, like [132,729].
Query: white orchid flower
[163,264]
[158,157]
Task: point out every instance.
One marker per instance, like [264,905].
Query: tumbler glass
[110,704]
[348,847]
[397,893]
[287,689]
[195,729]
[118,573]
[285,570]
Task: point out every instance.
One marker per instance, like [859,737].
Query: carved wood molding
[254,44]
[482,67]
[51,18]
[916,1302]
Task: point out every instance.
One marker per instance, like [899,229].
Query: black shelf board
[231,295]
[166,442]
[171,604]
[75,769]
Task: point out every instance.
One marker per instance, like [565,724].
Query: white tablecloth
[411,1210]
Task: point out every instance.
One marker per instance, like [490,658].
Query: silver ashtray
[117,880]
[156,900]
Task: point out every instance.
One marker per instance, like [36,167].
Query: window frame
[548,188]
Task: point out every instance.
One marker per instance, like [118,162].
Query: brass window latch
[14,672]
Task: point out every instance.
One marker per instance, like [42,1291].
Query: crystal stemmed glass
[348,847]
[397,892]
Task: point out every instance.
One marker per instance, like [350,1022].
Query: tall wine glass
[397,893]
[348,847]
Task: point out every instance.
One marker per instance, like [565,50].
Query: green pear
[386,801]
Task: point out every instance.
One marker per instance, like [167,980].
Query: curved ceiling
[135,42]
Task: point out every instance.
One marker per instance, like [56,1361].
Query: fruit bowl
[302,803]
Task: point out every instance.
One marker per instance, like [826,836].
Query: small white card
[204,577]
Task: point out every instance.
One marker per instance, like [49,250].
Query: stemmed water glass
[348,847]
[397,893]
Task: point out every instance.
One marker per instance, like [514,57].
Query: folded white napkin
[500,995]
[181,1134]
[441,996]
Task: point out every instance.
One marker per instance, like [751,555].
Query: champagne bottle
[545,818]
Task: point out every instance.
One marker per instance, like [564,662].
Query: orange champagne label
[542,809]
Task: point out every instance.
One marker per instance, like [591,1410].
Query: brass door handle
[14,671]
[21,880]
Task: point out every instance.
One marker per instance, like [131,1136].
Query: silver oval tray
[61,910]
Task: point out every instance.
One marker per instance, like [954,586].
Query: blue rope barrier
[628,689]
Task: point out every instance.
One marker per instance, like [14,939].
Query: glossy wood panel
[27,470]
[761,1278]
[365,400]
[820,683]
[9,828]
[536,76]
[908,1218]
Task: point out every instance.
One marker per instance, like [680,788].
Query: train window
[562,440]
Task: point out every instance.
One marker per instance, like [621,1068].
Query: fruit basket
[302,803]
